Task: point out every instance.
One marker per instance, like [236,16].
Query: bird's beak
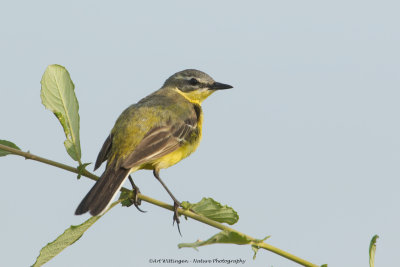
[220,86]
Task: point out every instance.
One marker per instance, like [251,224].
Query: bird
[155,133]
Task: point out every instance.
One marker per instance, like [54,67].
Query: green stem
[221,226]
[28,155]
[164,205]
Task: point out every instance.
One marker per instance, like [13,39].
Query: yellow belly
[176,156]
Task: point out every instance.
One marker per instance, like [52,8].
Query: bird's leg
[177,204]
[135,201]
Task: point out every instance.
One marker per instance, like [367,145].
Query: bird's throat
[196,97]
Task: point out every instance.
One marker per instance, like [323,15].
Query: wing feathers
[159,142]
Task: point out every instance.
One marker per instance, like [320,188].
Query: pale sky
[306,147]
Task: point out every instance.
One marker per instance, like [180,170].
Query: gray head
[192,80]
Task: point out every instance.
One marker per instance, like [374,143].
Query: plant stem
[164,205]
[28,155]
[221,226]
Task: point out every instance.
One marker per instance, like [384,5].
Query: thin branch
[164,205]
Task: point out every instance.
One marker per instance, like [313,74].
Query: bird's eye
[193,81]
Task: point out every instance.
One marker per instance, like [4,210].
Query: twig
[164,205]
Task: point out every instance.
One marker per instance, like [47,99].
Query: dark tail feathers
[102,193]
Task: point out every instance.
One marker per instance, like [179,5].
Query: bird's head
[194,85]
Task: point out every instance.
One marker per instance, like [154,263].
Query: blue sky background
[306,147]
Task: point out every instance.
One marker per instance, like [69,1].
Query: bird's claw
[136,201]
[176,216]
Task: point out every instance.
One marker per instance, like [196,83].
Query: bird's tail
[99,198]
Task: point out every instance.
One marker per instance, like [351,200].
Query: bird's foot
[136,201]
[177,204]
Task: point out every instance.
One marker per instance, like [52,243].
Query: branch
[164,205]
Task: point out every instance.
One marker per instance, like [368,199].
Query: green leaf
[213,210]
[324,265]
[9,144]
[126,197]
[70,236]
[224,237]
[255,249]
[372,248]
[58,95]
[81,168]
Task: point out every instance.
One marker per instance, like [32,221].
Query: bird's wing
[160,141]
[104,152]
